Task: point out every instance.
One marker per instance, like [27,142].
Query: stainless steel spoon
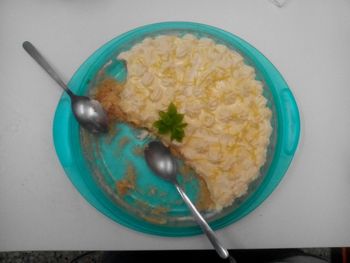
[163,164]
[88,112]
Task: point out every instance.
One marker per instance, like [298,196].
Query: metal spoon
[163,164]
[88,112]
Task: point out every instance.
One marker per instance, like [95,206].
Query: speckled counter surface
[51,257]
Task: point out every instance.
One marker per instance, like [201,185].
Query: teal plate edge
[66,135]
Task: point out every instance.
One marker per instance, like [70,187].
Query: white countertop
[308,41]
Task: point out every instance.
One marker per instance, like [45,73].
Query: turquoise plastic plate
[96,164]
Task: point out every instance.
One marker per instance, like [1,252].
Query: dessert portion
[200,98]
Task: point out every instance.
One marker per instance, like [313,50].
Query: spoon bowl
[90,114]
[160,160]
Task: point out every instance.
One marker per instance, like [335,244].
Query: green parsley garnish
[171,122]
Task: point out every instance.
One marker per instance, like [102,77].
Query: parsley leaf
[171,122]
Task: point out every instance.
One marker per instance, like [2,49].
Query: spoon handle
[223,253]
[34,53]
